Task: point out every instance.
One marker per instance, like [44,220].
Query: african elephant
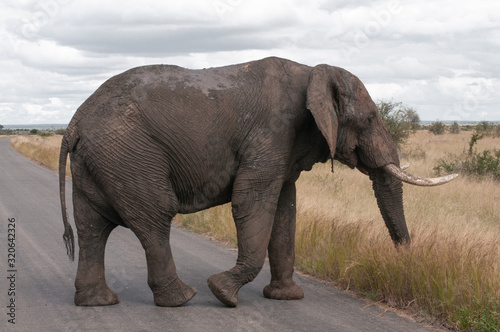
[159,140]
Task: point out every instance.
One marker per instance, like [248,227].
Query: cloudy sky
[439,57]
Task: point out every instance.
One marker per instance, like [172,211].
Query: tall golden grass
[451,272]
[41,149]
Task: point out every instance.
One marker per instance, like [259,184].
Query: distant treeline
[33,129]
[50,126]
[486,128]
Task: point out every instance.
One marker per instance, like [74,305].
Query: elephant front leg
[282,249]
[253,213]
[253,237]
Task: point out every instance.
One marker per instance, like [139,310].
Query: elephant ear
[322,102]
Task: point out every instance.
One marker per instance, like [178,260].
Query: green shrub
[485,127]
[437,128]
[454,128]
[473,141]
[486,163]
[482,164]
[399,120]
[467,127]
[484,319]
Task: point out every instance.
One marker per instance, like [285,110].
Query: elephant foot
[225,288]
[96,296]
[175,295]
[283,291]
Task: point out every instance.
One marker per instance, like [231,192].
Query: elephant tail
[68,143]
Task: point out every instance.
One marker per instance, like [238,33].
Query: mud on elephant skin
[159,140]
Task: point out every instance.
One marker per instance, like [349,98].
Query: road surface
[37,289]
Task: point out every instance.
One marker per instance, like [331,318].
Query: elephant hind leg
[150,220]
[93,232]
[168,289]
[146,204]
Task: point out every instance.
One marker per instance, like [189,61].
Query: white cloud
[439,57]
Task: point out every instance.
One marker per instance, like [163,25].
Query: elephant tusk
[405,166]
[415,180]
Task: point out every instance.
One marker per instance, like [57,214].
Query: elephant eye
[371,117]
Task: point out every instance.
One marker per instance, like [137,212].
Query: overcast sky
[439,57]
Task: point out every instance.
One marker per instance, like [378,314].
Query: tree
[485,127]
[454,128]
[399,120]
[437,128]
[414,119]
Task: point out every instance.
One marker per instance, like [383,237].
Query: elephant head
[351,125]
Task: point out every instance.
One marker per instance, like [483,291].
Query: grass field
[42,149]
[451,273]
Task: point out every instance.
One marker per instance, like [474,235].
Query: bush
[454,128]
[485,127]
[473,141]
[483,164]
[486,318]
[41,133]
[399,120]
[437,128]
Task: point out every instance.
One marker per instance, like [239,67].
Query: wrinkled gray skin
[160,140]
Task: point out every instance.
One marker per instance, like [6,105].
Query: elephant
[159,140]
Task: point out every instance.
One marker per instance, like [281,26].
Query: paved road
[44,277]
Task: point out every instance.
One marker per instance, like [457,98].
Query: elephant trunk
[389,194]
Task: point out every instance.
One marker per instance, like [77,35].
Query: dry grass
[216,222]
[451,272]
[42,149]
